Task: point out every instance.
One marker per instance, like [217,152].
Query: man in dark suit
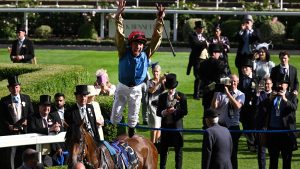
[172,107]
[30,159]
[81,111]
[281,116]
[246,37]
[198,44]
[22,50]
[285,69]
[217,144]
[46,123]
[15,109]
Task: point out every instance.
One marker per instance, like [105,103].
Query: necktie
[246,49]
[45,123]
[19,46]
[86,121]
[16,100]
[277,105]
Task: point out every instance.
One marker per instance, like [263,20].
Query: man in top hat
[247,36]
[248,85]
[285,69]
[81,111]
[15,109]
[46,123]
[22,50]
[198,44]
[281,116]
[211,71]
[133,65]
[172,107]
[217,143]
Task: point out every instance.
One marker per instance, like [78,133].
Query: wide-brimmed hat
[13,81]
[92,91]
[248,18]
[284,78]
[81,90]
[210,113]
[199,24]
[247,63]
[45,100]
[215,47]
[171,81]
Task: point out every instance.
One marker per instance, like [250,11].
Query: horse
[82,148]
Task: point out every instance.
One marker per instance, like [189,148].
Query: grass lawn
[94,60]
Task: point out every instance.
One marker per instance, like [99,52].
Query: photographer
[229,104]
[281,116]
[211,70]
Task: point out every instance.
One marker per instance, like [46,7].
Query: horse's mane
[73,133]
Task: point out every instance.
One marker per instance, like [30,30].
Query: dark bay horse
[82,148]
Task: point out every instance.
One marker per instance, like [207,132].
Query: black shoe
[131,132]
[196,97]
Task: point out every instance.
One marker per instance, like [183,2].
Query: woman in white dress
[155,88]
[99,118]
[262,65]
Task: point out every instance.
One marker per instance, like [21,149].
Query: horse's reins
[82,156]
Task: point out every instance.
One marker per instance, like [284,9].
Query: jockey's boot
[131,131]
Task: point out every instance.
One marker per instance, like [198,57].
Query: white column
[102,26]
[137,3]
[281,4]
[175,26]
[26,22]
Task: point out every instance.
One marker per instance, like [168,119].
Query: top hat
[215,47]
[13,81]
[20,28]
[247,63]
[45,100]
[284,78]
[171,81]
[217,26]
[210,113]
[248,18]
[199,24]
[154,64]
[92,91]
[81,90]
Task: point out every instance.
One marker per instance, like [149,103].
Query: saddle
[122,154]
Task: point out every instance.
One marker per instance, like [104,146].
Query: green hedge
[49,79]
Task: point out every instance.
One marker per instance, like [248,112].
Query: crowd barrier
[39,139]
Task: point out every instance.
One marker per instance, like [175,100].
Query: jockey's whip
[156,4]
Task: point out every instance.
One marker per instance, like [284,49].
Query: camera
[279,88]
[220,87]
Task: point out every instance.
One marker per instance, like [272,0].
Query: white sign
[143,25]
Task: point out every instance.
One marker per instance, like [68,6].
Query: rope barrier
[203,131]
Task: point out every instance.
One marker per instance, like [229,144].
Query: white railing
[31,139]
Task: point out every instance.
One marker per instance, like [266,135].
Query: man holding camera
[229,103]
[211,70]
[281,116]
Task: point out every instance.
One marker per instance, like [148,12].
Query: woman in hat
[262,64]
[102,84]
[155,88]
[99,118]
[172,107]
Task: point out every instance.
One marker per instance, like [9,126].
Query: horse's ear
[65,124]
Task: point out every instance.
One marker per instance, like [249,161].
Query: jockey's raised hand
[121,7]
[160,11]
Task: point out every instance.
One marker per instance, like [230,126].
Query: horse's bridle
[82,156]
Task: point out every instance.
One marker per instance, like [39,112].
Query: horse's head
[81,146]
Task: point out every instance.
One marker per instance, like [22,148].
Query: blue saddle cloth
[123,154]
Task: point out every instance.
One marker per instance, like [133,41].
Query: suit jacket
[197,47]
[216,148]
[35,125]
[7,108]
[287,114]
[27,50]
[276,76]
[172,138]
[72,117]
